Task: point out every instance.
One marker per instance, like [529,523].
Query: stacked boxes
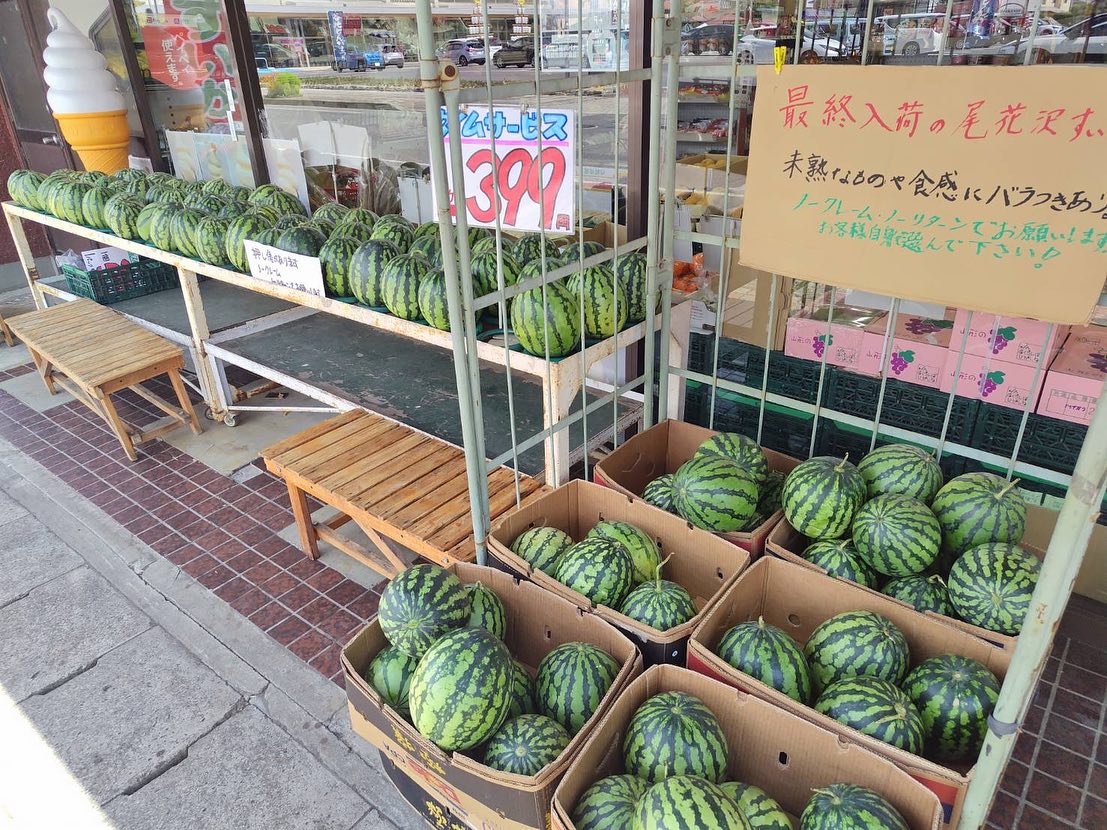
[1075,379]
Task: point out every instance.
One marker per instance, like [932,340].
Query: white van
[919,33]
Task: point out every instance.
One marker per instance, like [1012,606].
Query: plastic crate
[113,285]
[784,430]
[1047,442]
[906,405]
[841,439]
[745,363]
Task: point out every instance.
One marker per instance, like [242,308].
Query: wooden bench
[93,352]
[390,480]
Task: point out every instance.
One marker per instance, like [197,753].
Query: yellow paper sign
[980,188]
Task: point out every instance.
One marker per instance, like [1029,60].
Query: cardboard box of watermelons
[700,562]
[662,449]
[780,753]
[785,542]
[537,623]
[797,600]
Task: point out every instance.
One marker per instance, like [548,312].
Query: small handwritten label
[288,270]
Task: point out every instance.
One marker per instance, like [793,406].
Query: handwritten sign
[302,273]
[533,194]
[110,257]
[986,193]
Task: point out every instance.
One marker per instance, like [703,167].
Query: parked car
[464,51]
[1083,42]
[710,37]
[758,45]
[382,55]
[518,52]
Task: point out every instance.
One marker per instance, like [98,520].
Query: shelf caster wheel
[209,414]
[229,420]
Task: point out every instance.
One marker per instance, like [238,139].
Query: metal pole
[1066,551]
[672,32]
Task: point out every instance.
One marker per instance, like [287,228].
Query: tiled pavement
[224,534]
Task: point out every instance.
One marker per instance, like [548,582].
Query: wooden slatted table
[93,352]
[390,480]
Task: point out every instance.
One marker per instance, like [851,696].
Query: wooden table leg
[44,372]
[182,399]
[7,332]
[309,539]
[119,427]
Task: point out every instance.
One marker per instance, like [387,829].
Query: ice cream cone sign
[82,95]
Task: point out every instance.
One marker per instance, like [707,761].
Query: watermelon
[769,502]
[991,586]
[160,225]
[743,451]
[921,592]
[135,187]
[130,174]
[162,194]
[486,610]
[954,695]
[553,324]
[841,560]
[526,744]
[270,214]
[246,226]
[856,644]
[461,689]
[303,239]
[121,215]
[685,802]
[485,268]
[768,654]
[398,219]
[850,807]
[599,569]
[67,202]
[529,248]
[425,230]
[92,176]
[268,236]
[575,250]
[714,493]
[675,733]
[488,243]
[609,804]
[390,675]
[659,492]
[400,285]
[975,508]
[428,247]
[659,603]
[572,682]
[23,187]
[358,216]
[876,708]
[48,189]
[182,230]
[92,207]
[324,226]
[210,240]
[217,187]
[903,469]
[896,535]
[330,211]
[821,495]
[367,270]
[142,221]
[542,547]
[644,551]
[630,274]
[392,231]
[287,221]
[421,604]
[522,691]
[353,230]
[209,205]
[335,257]
[433,302]
[761,810]
[603,303]
[269,195]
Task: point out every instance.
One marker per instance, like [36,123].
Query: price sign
[534,193]
[272,265]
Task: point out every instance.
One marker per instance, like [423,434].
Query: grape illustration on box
[1001,337]
[990,382]
[820,342]
[926,325]
[1098,362]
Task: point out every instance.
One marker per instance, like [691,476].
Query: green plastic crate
[124,282]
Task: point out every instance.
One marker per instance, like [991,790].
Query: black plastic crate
[113,285]
[839,440]
[906,405]
[1047,442]
[784,430]
[745,363]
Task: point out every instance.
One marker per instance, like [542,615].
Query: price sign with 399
[533,193]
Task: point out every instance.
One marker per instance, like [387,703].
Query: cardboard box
[918,351]
[1074,382]
[1091,581]
[662,449]
[436,808]
[701,562]
[807,337]
[605,233]
[537,623]
[787,543]
[1014,383]
[769,748]
[1088,335]
[1020,339]
[797,600]
[707,171]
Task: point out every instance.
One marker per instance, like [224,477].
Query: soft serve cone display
[82,95]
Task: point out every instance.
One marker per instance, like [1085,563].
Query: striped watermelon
[715,493]
[821,495]
[160,225]
[488,243]
[270,214]
[921,592]
[556,320]
[354,230]
[744,451]
[324,226]
[246,226]
[991,586]
[217,187]
[526,744]
[426,229]
[421,604]
[433,300]
[162,194]
[675,733]
[599,569]
[630,273]
[659,603]
[210,240]
[428,247]
[330,211]
[461,690]
[659,492]
[840,559]
[92,207]
[289,220]
[23,187]
[954,695]
[903,469]
[67,201]
[572,682]
[270,195]
[121,215]
[529,248]
[388,229]
[400,285]
[761,810]
[769,502]
[486,276]
[142,221]
[975,508]
[367,270]
[768,654]
[486,610]
[335,257]
[182,230]
[359,216]
[604,304]
[575,250]
[303,239]
[850,807]
[208,205]
[542,547]
[644,551]
[685,802]
[610,803]
[390,675]
[876,708]
[522,691]
[857,644]
[896,535]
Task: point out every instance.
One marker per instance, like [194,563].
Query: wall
[11,159]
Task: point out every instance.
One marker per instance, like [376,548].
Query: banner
[338,36]
[533,194]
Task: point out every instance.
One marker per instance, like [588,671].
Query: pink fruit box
[807,337]
[1075,380]
[1015,340]
[918,349]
